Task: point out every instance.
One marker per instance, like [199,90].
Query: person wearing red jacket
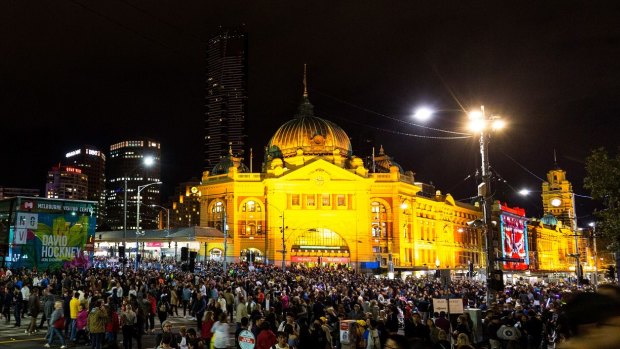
[152,311]
[112,326]
[266,338]
[205,331]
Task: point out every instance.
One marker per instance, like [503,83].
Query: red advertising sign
[514,242]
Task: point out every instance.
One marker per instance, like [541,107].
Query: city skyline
[117,71]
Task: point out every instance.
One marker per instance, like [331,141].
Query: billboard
[513,230]
[51,234]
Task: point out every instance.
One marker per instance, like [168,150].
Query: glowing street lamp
[147,161]
[483,124]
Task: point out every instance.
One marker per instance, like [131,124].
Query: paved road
[15,338]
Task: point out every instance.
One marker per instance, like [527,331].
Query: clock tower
[558,198]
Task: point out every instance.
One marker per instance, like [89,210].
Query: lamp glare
[423,114]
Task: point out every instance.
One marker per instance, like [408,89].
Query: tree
[603,181]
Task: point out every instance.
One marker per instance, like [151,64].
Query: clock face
[194,190]
[555,202]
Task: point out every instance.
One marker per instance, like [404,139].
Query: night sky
[76,72]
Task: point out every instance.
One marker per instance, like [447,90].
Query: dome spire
[305,109]
[305,80]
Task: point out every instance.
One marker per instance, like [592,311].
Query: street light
[167,217]
[283,237]
[593,225]
[138,233]
[481,123]
[147,161]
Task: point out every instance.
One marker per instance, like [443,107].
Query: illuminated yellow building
[316,202]
[552,245]
[553,236]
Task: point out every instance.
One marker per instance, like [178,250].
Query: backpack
[163,307]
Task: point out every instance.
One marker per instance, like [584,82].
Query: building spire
[305,80]
[305,108]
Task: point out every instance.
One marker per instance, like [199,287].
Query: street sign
[456,305]
[246,339]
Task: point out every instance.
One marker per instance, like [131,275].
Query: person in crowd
[221,332]
[194,342]
[373,340]
[281,341]
[462,342]
[128,324]
[34,306]
[58,324]
[17,307]
[396,341]
[97,320]
[168,330]
[80,325]
[74,308]
[266,338]
[442,340]
[207,324]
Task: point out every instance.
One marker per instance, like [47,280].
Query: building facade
[126,168]
[66,182]
[185,205]
[91,162]
[7,192]
[226,99]
[314,202]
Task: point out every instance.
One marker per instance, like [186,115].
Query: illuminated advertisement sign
[52,235]
[513,228]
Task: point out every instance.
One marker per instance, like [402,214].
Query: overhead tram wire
[116,22]
[522,166]
[402,133]
[467,135]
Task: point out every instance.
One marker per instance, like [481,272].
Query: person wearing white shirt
[221,331]
[25,296]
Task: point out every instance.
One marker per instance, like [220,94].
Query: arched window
[251,218]
[216,214]
[379,220]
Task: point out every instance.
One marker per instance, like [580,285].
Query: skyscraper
[92,163]
[227,80]
[126,162]
[66,182]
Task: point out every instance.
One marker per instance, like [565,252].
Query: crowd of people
[298,308]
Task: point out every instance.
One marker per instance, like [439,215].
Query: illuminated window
[325,200]
[310,200]
[341,200]
[295,199]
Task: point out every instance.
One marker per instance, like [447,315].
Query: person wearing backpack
[57,321]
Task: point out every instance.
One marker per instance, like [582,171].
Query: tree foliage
[603,181]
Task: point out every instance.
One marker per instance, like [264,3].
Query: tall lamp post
[138,232]
[282,231]
[595,253]
[147,161]
[167,217]
[481,123]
